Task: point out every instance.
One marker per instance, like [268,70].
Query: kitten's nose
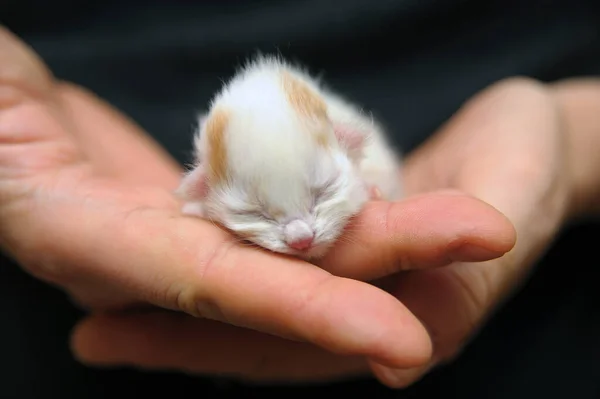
[298,235]
[301,244]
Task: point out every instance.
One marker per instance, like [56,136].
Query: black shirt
[412,62]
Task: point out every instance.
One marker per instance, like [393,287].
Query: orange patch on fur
[308,105]
[322,138]
[215,135]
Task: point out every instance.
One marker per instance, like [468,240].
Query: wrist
[578,101]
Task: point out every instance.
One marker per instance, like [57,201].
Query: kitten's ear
[194,185]
[199,141]
[352,138]
[193,190]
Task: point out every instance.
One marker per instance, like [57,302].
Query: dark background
[413,62]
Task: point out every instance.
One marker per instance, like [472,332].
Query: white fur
[378,162]
[275,163]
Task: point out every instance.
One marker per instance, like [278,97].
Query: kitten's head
[296,203]
[273,167]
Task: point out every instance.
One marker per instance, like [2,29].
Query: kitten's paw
[375,193]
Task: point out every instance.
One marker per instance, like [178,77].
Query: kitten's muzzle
[299,235]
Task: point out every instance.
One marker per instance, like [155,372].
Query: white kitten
[284,163]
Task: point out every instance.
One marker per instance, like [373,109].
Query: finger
[398,378]
[452,303]
[424,231]
[36,139]
[190,265]
[114,143]
[32,139]
[162,340]
[579,101]
[72,121]
[21,68]
[507,139]
[512,124]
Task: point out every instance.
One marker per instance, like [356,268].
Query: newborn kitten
[285,163]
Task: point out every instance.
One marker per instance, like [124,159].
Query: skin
[526,148]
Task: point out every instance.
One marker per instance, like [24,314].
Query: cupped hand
[507,147]
[86,204]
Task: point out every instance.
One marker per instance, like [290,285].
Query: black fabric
[413,62]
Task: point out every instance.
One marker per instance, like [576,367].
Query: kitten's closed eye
[318,193]
[253,213]
[321,191]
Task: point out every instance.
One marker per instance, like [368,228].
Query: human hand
[507,147]
[86,204]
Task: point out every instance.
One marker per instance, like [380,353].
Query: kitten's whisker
[349,240]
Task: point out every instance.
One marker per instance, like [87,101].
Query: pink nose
[301,244]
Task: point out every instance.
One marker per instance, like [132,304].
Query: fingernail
[473,253]
[391,377]
[394,378]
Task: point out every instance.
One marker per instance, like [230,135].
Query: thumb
[21,68]
[32,139]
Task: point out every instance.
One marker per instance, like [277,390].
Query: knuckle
[520,85]
[197,297]
[522,91]
[395,258]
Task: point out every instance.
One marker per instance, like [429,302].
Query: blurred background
[412,63]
